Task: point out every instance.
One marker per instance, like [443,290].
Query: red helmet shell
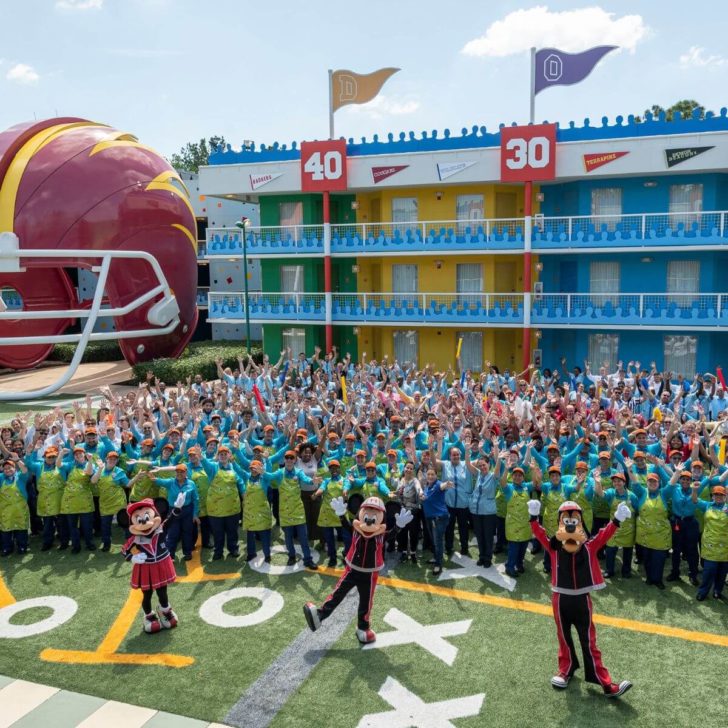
[70,183]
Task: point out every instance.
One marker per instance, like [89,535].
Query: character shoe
[366,636]
[310,565]
[615,691]
[152,623]
[560,681]
[167,617]
[310,611]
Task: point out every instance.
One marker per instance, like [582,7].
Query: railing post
[568,305]
[487,231]
[571,220]
[642,306]
[424,233]
[722,223]
[720,304]
[644,226]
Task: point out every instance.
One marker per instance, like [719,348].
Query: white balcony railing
[549,233]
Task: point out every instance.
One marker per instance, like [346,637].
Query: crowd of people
[267,446]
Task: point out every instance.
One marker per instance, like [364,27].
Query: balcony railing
[549,233]
[202,293]
[586,310]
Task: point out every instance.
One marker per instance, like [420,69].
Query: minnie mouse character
[575,573]
[153,567]
[364,560]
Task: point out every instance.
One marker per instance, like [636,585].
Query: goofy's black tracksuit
[364,560]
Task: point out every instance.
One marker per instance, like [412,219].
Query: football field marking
[410,711]
[212,612]
[470,568]
[428,636]
[63,609]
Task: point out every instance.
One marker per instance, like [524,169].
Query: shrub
[95,351]
[198,358]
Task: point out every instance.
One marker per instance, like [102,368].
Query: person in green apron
[332,487]
[140,462]
[49,484]
[517,493]
[654,532]
[111,482]
[624,537]
[14,512]
[368,486]
[289,480]
[223,502]
[603,475]
[77,503]
[257,514]
[199,477]
[714,549]
[552,496]
[580,489]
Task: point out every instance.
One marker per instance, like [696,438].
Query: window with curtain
[606,207]
[681,354]
[404,213]
[604,278]
[604,351]
[406,346]
[404,278]
[290,213]
[683,276]
[471,351]
[296,340]
[685,199]
[467,209]
[469,279]
[292,278]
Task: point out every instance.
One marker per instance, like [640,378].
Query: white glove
[403,518]
[138,558]
[622,513]
[534,507]
[179,501]
[339,506]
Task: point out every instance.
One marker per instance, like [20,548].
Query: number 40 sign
[323,166]
[528,153]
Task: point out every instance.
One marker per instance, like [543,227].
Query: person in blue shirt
[437,515]
[482,506]
[457,498]
[14,512]
[183,525]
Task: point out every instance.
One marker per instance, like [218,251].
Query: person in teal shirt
[111,481]
[14,513]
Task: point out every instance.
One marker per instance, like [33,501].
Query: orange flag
[348,87]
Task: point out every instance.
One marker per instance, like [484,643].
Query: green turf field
[508,654]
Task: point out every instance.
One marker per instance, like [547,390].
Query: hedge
[95,351]
[198,358]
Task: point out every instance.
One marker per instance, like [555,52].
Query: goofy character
[153,567]
[364,560]
[575,573]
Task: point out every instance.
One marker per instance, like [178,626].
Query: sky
[171,71]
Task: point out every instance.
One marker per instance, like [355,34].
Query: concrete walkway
[30,705]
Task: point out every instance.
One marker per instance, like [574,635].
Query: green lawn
[507,654]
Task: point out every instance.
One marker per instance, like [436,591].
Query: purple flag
[557,68]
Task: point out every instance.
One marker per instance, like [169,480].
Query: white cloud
[697,58]
[570,30]
[79,4]
[22,73]
[383,106]
[144,52]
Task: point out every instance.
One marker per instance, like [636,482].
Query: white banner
[258,180]
[448,169]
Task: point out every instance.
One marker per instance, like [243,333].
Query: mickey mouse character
[153,566]
[575,573]
[364,560]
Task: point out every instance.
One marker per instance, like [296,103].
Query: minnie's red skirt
[153,576]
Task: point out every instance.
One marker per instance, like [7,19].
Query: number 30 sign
[528,153]
[323,166]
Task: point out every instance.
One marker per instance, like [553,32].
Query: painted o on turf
[271,602]
[258,564]
[63,609]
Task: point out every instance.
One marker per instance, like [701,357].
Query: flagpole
[532,115]
[528,232]
[331,104]
[326,205]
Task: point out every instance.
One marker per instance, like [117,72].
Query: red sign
[594,161]
[381,173]
[323,166]
[528,153]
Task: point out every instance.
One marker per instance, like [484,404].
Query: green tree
[685,107]
[194,155]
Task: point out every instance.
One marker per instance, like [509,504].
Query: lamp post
[243,223]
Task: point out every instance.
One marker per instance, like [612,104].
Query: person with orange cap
[14,511]
[625,536]
[332,487]
[49,483]
[77,503]
[111,481]
[714,548]
[257,515]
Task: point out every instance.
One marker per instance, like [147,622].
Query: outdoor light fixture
[650,183]
[538,333]
[439,264]
[356,331]
[438,195]
[354,268]
[355,205]
[646,260]
[539,267]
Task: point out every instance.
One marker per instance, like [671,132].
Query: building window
[471,351]
[680,355]
[469,279]
[406,347]
[404,279]
[404,213]
[685,199]
[469,209]
[683,276]
[604,351]
[606,207]
[295,339]
[604,278]
[290,213]
[292,278]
